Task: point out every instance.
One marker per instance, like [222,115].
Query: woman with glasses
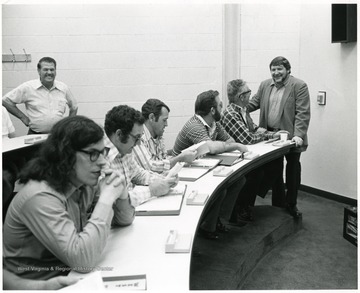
[61,217]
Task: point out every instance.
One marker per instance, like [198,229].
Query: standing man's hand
[298,141]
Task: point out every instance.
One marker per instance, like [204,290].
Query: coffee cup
[283,136]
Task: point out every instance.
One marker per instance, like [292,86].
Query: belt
[273,129]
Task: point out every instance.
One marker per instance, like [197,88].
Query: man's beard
[217,115]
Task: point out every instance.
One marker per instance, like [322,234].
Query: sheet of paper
[92,281]
[204,163]
[136,282]
[202,148]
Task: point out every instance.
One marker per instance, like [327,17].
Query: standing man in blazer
[284,103]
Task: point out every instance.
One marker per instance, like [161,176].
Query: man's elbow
[123,219]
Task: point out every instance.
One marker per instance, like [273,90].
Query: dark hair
[278,61]
[153,106]
[57,155]
[122,117]
[233,88]
[46,59]
[205,101]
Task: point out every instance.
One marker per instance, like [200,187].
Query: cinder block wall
[119,54]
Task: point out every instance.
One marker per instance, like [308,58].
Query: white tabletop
[140,248]
[12,144]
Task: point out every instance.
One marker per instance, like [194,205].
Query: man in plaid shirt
[237,122]
[236,119]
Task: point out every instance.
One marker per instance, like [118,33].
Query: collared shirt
[137,178]
[7,126]
[242,128]
[47,233]
[276,95]
[197,130]
[151,153]
[44,107]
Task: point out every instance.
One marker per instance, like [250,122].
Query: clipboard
[167,205]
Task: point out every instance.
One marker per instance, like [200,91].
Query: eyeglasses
[136,138]
[95,154]
[244,93]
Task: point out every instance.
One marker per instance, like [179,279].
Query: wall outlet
[321,98]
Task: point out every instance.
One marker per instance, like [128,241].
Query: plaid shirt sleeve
[237,129]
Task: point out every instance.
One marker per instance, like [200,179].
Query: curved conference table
[139,249]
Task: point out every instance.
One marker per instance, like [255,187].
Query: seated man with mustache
[151,153]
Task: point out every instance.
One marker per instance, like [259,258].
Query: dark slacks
[292,181]
[221,205]
[258,182]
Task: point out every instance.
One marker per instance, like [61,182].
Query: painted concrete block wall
[267,30]
[302,33]
[112,54]
[119,54]
[330,163]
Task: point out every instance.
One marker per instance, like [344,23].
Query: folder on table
[197,169]
[228,159]
[167,205]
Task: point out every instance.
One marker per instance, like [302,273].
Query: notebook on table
[228,159]
[197,169]
[167,205]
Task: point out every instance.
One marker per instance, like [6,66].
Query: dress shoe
[220,227]
[208,234]
[245,214]
[292,210]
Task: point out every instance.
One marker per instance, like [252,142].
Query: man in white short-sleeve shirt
[45,99]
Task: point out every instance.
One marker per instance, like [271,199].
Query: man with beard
[151,153]
[284,103]
[45,99]
[205,126]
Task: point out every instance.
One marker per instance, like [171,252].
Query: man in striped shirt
[205,126]
[151,153]
[124,128]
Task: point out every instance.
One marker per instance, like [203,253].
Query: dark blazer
[294,108]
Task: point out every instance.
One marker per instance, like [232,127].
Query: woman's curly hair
[57,155]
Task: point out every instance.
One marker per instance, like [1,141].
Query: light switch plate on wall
[321,98]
